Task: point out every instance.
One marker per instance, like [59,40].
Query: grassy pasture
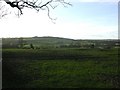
[60,68]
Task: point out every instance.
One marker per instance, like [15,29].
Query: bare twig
[21,4]
[3,10]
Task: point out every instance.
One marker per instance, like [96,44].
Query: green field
[60,68]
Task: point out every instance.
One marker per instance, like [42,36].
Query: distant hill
[50,42]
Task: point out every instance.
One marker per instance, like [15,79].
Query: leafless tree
[36,4]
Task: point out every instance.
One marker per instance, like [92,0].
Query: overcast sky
[86,19]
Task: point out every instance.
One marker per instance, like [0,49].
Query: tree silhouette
[92,45]
[36,4]
[31,46]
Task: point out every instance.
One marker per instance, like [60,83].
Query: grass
[60,68]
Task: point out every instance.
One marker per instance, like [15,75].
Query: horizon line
[64,38]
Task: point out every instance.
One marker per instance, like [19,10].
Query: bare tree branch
[35,4]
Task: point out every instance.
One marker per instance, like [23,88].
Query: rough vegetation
[63,67]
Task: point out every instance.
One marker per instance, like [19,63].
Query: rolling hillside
[56,42]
